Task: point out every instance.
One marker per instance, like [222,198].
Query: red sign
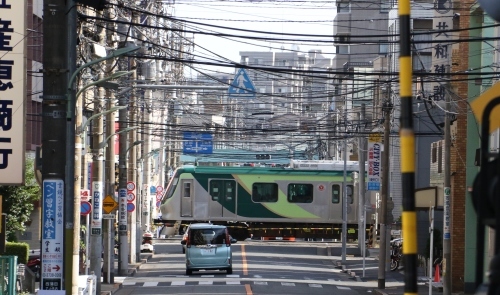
[84,195]
[130,197]
[85,208]
[130,186]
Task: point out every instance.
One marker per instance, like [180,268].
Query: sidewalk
[108,289]
[392,278]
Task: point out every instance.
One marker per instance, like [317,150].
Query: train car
[262,201]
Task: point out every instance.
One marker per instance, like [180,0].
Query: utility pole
[54,108]
[362,189]
[122,192]
[146,158]
[72,206]
[387,109]
[344,191]
[97,187]
[108,229]
[447,200]
[132,159]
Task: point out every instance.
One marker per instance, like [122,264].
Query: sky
[290,16]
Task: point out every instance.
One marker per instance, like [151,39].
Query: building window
[434,153]
[383,47]
[342,42]
[440,158]
[265,192]
[343,7]
[385,5]
[300,193]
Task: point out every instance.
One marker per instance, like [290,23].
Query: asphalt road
[258,268]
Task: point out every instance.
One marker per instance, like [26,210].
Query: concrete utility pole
[108,227]
[97,187]
[122,192]
[362,150]
[55,81]
[447,200]
[387,109]
[344,191]
[72,220]
[132,159]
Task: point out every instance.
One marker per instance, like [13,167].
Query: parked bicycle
[396,253]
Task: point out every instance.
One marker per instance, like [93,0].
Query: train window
[265,192]
[229,191]
[335,193]
[300,193]
[171,188]
[214,190]
[350,196]
[187,190]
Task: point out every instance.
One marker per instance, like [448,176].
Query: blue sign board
[197,143]
[242,86]
[373,186]
[52,231]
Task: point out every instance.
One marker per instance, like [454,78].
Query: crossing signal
[263,157]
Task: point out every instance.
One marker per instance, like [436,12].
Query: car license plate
[209,251]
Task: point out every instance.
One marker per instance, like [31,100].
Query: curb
[131,272]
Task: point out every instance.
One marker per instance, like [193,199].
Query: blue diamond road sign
[242,86]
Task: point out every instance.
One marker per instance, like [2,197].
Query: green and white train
[301,202]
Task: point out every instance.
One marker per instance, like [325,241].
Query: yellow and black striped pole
[407,137]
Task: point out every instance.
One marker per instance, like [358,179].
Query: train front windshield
[172,185]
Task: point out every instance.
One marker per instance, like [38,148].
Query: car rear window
[214,236]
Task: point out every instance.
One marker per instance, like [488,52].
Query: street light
[72,199]
[104,143]
[81,129]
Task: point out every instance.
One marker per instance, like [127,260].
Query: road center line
[248,289]
[244,260]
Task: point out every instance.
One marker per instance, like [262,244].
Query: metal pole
[387,108]
[344,192]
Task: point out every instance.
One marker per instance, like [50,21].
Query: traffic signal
[263,157]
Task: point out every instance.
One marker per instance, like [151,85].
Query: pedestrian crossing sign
[242,86]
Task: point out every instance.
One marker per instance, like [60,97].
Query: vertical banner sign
[375,148]
[442,23]
[446,213]
[52,234]
[12,90]
[96,221]
[122,210]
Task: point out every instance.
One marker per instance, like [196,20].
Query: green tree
[18,202]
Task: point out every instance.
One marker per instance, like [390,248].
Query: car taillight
[228,239]
[188,241]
